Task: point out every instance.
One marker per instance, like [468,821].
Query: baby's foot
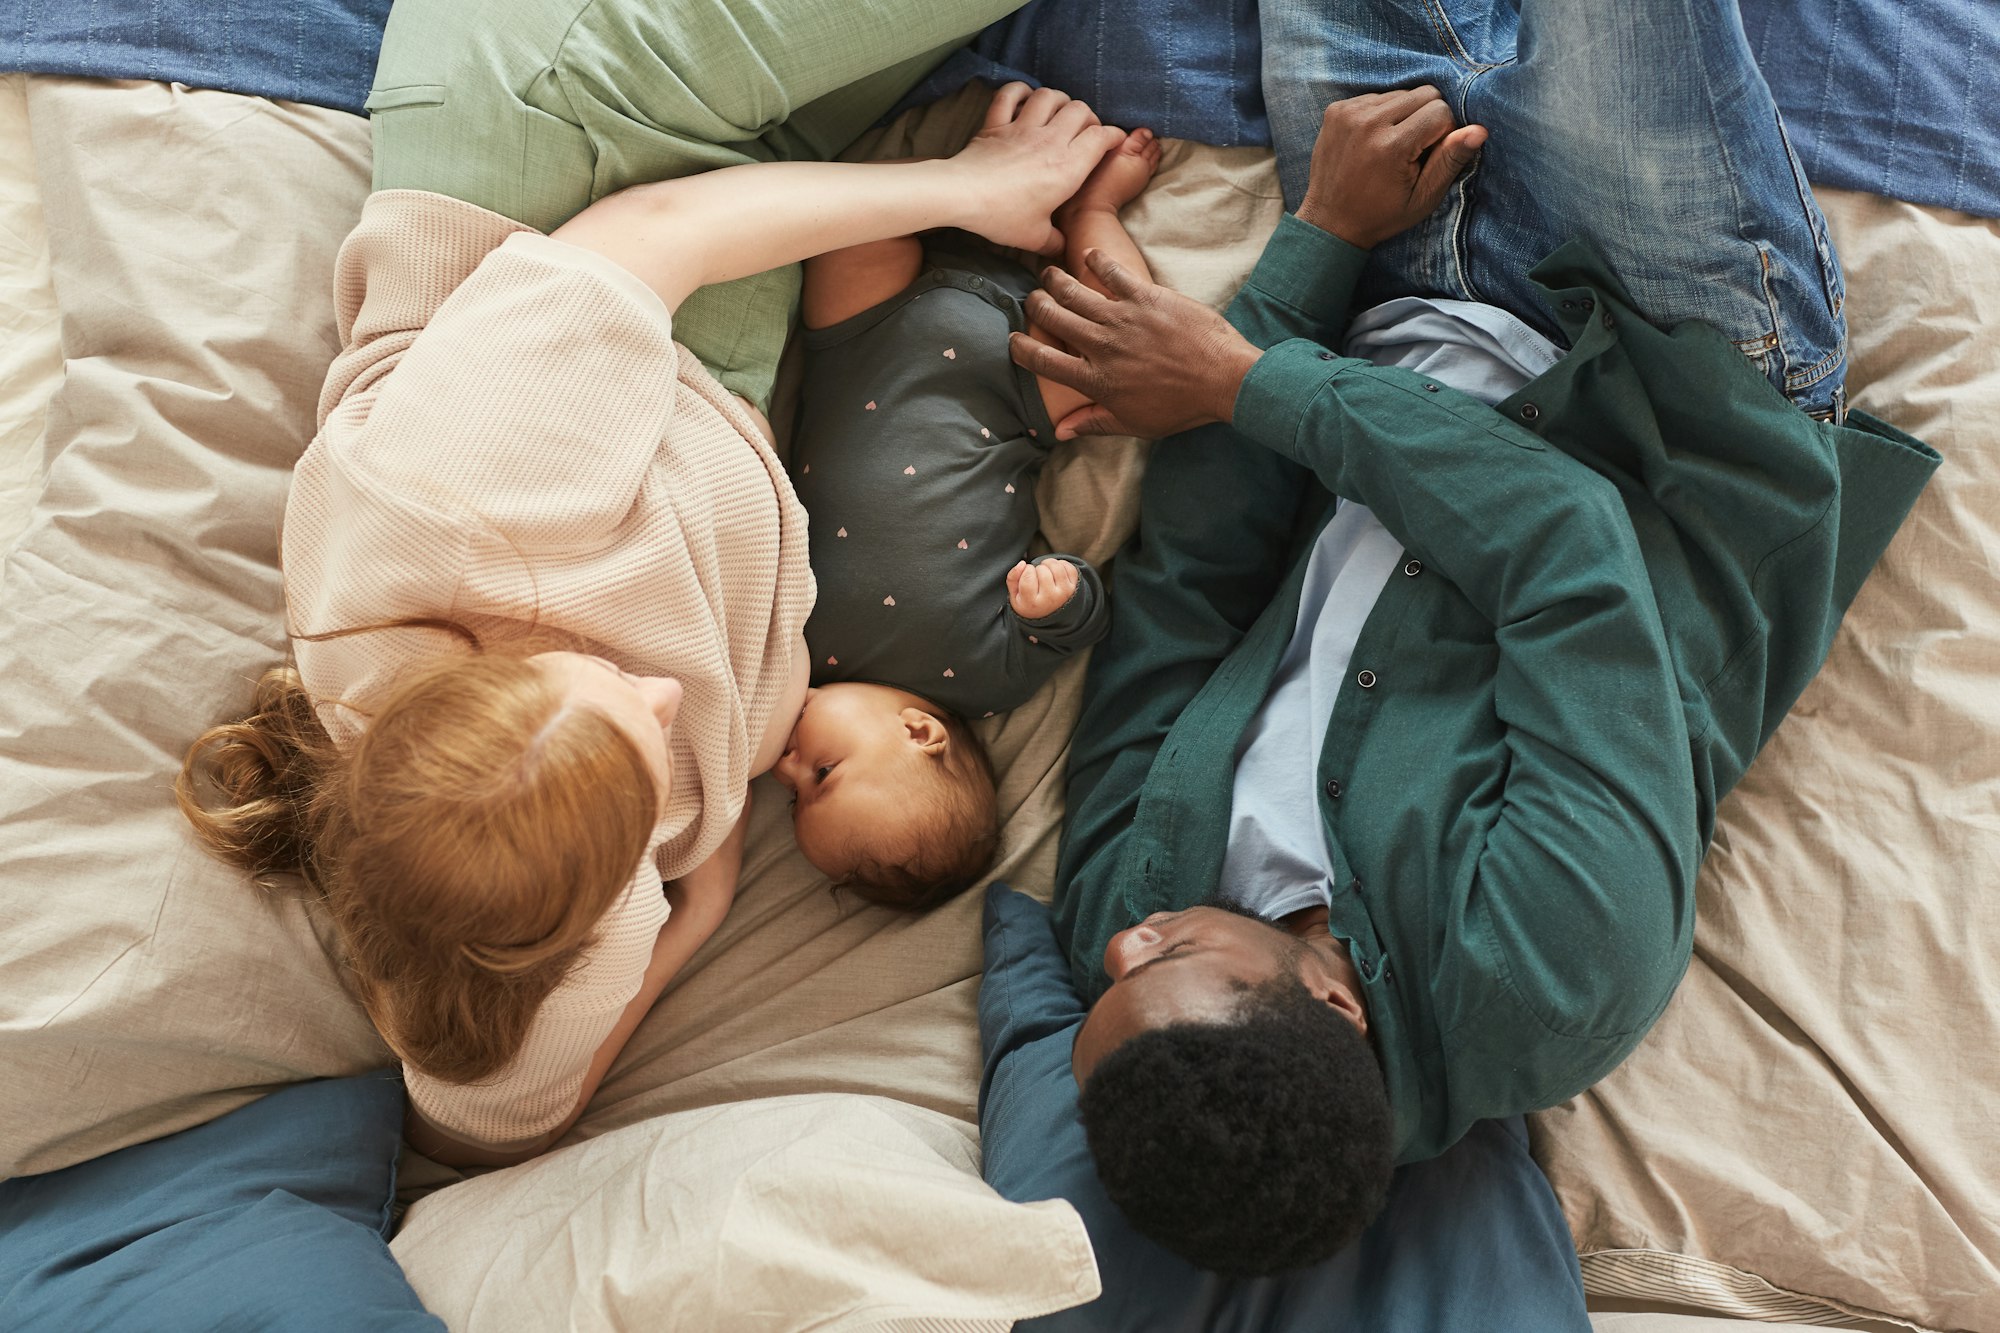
[1119,178]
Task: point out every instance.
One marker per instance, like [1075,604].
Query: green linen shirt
[1615,584]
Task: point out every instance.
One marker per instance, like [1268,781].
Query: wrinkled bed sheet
[1811,1110]
[30,354]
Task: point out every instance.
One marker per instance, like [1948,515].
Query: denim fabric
[317,51]
[1642,127]
[1185,68]
[1888,96]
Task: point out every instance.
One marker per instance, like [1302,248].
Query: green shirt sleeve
[1301,288]
[1571,917]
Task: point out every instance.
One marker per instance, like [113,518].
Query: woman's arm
[682,234]
[700,899]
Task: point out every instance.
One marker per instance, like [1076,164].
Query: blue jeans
[1642,126]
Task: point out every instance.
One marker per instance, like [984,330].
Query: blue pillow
[1472,1240]
[273,1216]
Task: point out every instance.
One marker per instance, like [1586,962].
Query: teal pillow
[273,1216]
[1470,1241]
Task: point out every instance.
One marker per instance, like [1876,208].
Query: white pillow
[827,1211]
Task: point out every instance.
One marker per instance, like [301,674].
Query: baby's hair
[949,840]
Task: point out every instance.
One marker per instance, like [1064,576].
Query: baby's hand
[1119,179]
[1035,149]
[1035,591]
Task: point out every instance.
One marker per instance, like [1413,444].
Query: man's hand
[1030,156]
[1151,361]
[1383,162]
[1040,590]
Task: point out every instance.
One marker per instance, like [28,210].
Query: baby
[916,454]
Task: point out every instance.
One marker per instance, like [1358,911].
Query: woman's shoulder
[624,940]
[415,245]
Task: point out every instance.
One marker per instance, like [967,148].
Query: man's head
[1233,1105]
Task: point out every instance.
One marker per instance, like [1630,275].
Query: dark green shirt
[1615,584]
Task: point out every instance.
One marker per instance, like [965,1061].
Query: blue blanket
[1895,97]
[1887,96]
[1188,69]
[317,51]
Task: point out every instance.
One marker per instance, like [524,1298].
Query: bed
[790,1139]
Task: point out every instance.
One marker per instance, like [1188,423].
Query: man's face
[1192,966]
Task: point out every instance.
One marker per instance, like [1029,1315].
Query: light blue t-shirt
[1277,860]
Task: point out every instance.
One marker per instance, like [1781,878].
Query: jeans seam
[1461,231]
[1447,37]
[1771,307]
[1461,236]
[1819,370]
[1721,143]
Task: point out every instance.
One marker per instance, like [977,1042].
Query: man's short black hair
[1249,1147]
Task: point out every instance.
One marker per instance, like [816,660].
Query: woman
[517,457]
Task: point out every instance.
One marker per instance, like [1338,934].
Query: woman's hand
[1035,149]
[1151,361]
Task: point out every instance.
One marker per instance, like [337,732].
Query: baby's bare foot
[1121,176]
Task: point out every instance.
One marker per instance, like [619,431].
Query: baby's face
[847,764]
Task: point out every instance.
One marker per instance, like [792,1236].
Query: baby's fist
[1035,591]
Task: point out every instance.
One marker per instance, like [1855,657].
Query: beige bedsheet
[30,356]
[1817,1107]
[142,989]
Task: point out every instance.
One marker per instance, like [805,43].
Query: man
[1448,747]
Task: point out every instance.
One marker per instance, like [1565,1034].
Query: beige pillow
[144,987]
[30,351]
[1815,1113]
[816,1212]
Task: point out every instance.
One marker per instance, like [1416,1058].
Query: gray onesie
[916,452]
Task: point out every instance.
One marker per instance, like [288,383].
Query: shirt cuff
[1310,270]
[1281,385]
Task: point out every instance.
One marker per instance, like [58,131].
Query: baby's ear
[927,731]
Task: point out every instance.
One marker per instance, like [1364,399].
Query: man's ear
[1331,991]
[926,731]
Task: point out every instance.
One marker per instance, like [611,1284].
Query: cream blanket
[1811,1116]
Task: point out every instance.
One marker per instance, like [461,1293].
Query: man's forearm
[1302,287]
